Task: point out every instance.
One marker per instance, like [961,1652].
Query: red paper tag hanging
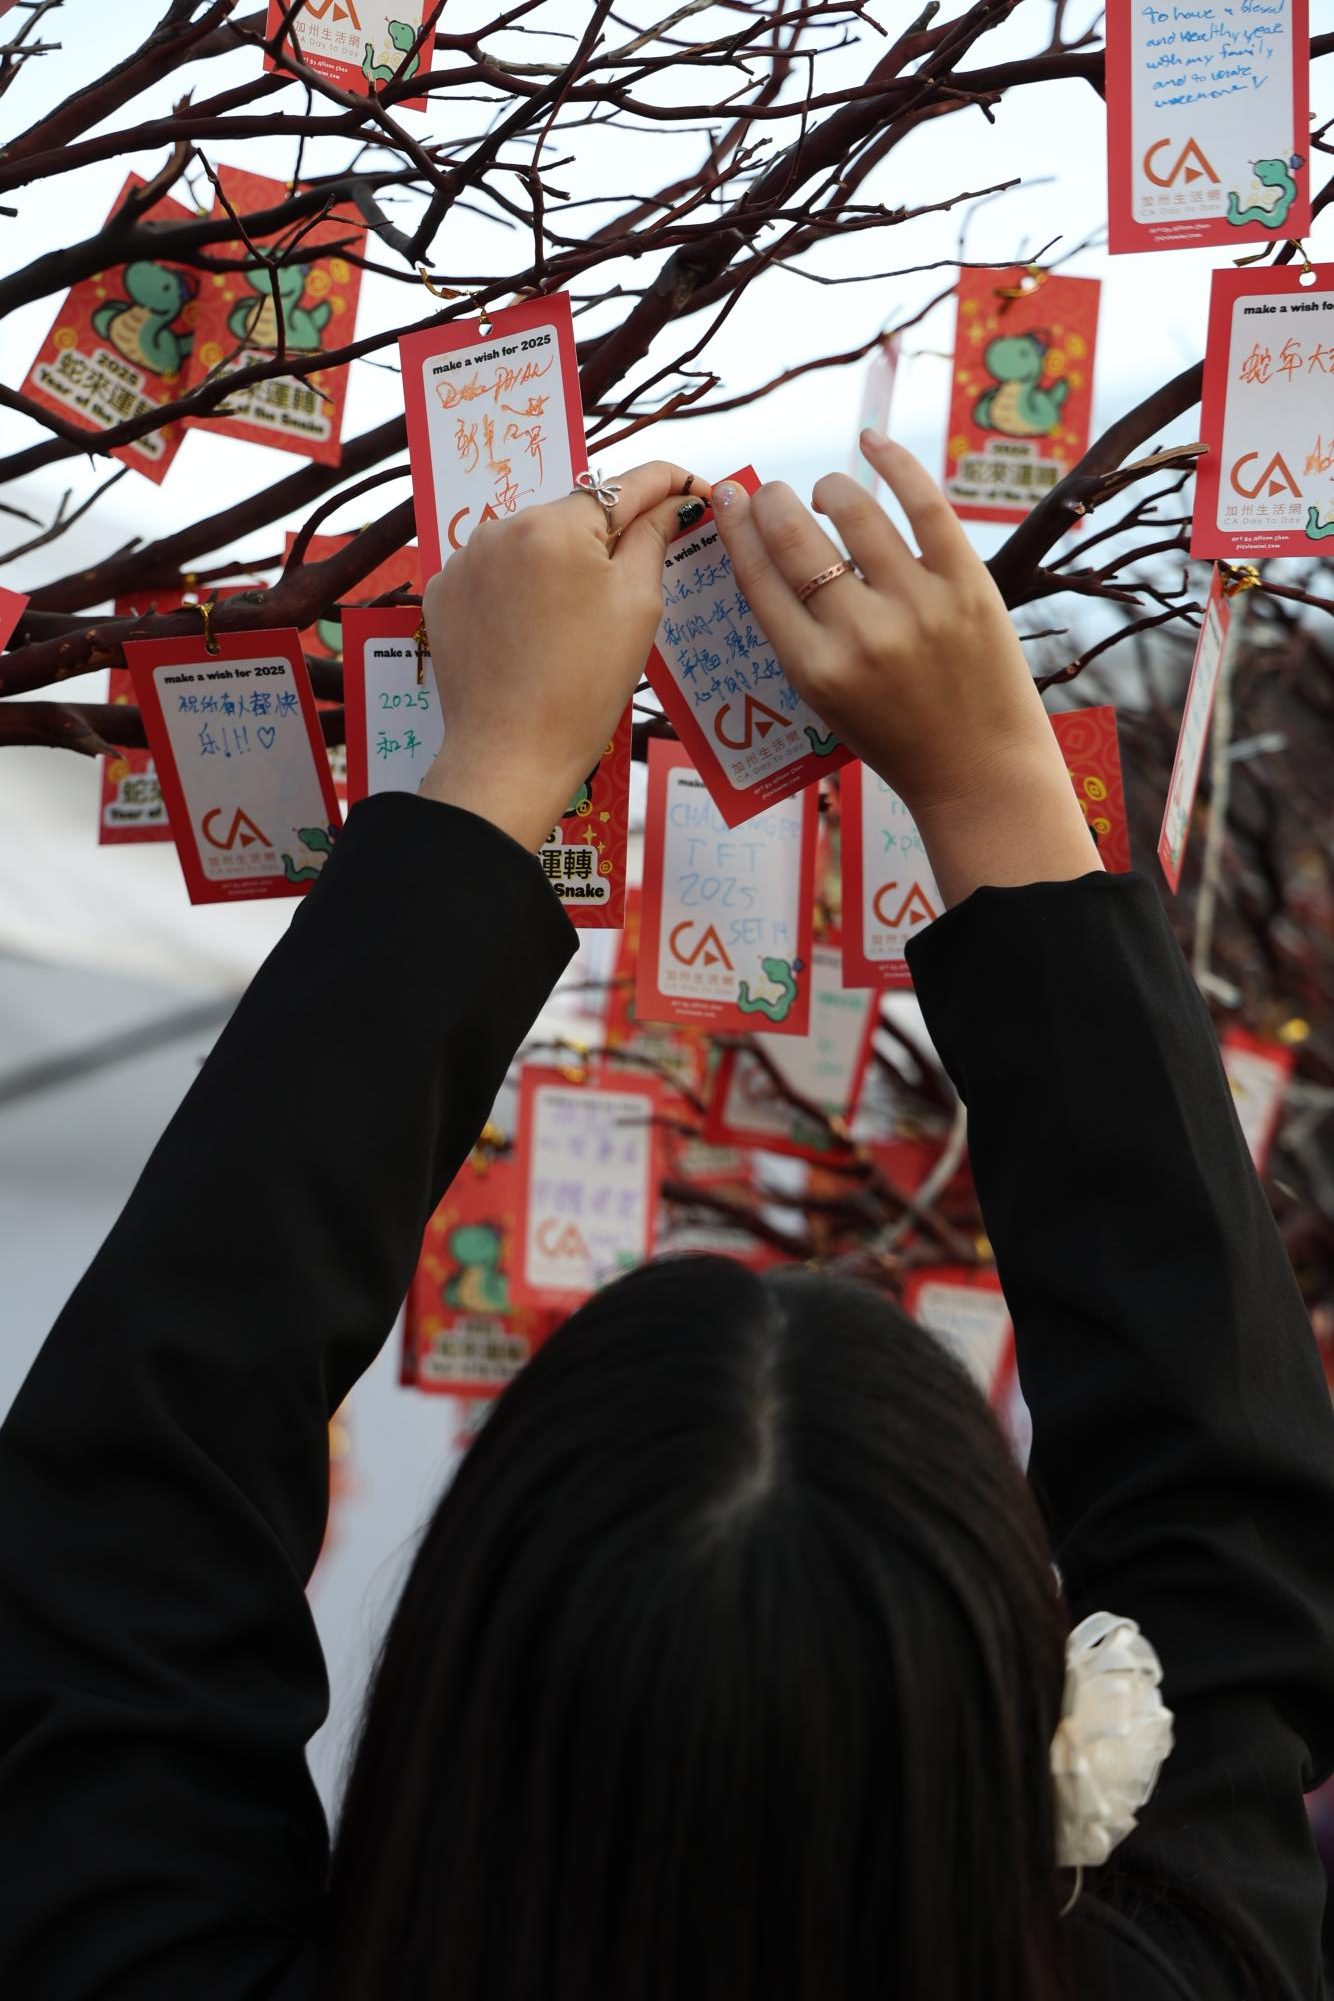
[359,45]
[13,604]
[307,306]
[1258,1070]
[728,915]
[824,1067]
[240,759]
[1022,389]
[494,419]
[1092,756]
[752,738]
[131,807]
[120,345]
[678,1054]
[588,1174]
[1194,733]
[1207,113]
[463,1333]
[965,1307]
[1265,487]
[889,892]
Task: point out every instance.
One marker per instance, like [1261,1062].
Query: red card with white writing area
[588,1183]
[359,45]
[240,325]
[823,1069]
[240,759]
[728,913]
[1021,396]
[120,344]
[1206,124]
[131,807]
[753,739]
[463,1333]
[889,891]
[1194,733]
[494,420]
[965,1308]
[1258,1070]
[324,639]
[1265,486]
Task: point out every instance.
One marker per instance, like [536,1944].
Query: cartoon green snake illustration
[320,841]
[479,1284]
[1017,407]
[256,320]
[782,974]
[1270,174]
[823,746]
[1316,529]
[330,632]
[402,36]
[140,327]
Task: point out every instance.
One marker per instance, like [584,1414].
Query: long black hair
[726,1671]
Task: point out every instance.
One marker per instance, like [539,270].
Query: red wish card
[494,420]
[395,727]
[131,806]
[121,345]
[357,44]
[245,317]
[823,1068]
[753,739]
[588,1181]
[13,604]
[1199,707]
[463,1334]
[1265,487]
[728,914]
[1022,390]
[1206,123]
[964,1306]
[1258,1070]
[240,759]
[889,892]
[1093,759]
[680,1055]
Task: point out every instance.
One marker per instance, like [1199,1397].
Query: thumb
[640,552]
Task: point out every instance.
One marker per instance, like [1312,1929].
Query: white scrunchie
[1114,1733]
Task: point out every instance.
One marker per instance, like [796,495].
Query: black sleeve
[1183,1439]
[164,1471]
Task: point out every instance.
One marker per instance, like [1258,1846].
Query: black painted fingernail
[691,512]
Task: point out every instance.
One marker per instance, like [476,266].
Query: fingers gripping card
[889,892]
[728,915]
[753,739]
[1022,389]
[121,345]
[1194,733]
[494,421]
[1265,486]
[1206,122]
[588,1173]
[823,1069]
[275,304]
[240,759]
[357,44]
[463,1333]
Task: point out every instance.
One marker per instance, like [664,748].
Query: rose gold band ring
[823,577]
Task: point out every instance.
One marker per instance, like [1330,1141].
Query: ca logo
[488,513]
[710,946]
[343,10]
[555,1241]
[757,721]
[242,830]
[915,907]
[1201,171]
[1276,473]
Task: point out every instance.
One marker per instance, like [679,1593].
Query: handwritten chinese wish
[588,1175]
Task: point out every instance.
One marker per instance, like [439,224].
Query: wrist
[1020,822]
[523,802]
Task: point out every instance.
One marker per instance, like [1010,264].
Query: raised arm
[164,1471]
[1183,1439]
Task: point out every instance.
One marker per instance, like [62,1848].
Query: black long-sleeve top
[164,1470]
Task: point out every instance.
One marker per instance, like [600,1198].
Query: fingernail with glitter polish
[724,495]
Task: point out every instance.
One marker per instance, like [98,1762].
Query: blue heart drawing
[266,733]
